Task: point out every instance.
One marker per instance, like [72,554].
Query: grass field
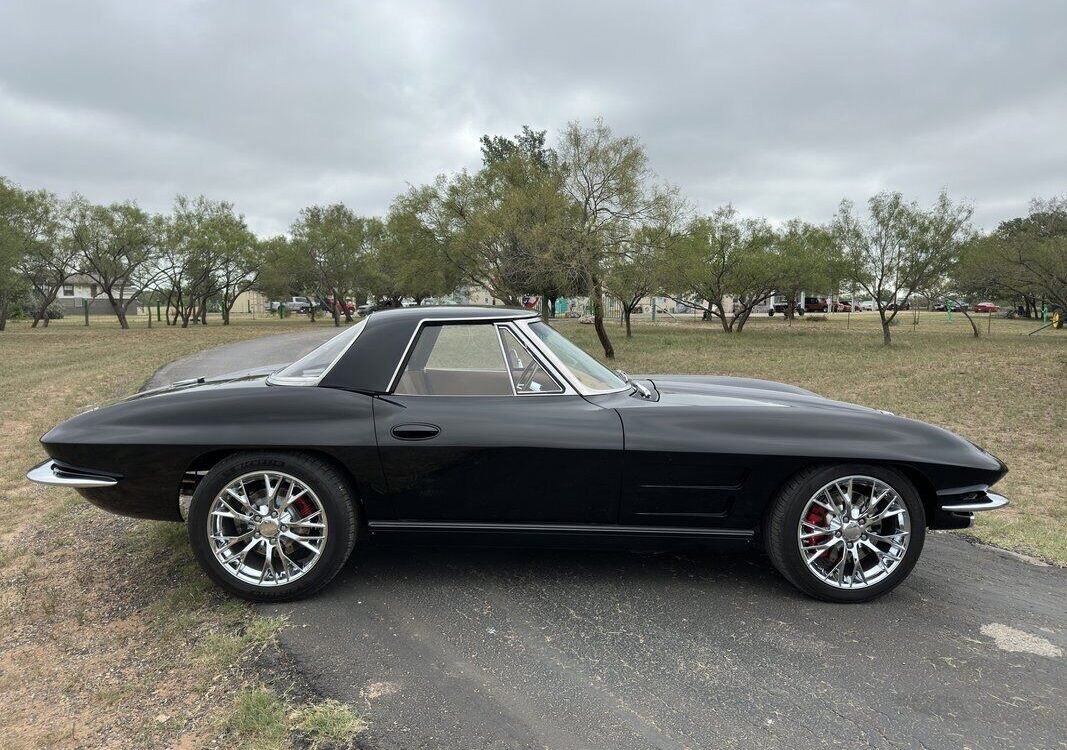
[110,636]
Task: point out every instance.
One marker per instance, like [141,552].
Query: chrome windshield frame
[557,363]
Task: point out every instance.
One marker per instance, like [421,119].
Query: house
[79,289]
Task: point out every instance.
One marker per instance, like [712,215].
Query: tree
[116,245]
[808,259]
[13,246]
[47,262]
[900,248]
[611,189]
[638,270]
[505,227]
[724,257]
[1024,258]
[336,242]
[410,260]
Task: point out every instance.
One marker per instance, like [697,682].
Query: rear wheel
[846,533]
[272,526]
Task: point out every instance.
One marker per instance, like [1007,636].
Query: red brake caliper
[817,517]
[303,506]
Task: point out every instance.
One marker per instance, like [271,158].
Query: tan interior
[430,382]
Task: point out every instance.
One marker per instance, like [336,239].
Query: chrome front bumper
[52,473]
[983,501]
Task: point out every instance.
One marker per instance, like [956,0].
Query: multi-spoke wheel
[846,533]
[272,526]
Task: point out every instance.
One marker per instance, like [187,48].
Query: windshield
[310,368]
[585,369]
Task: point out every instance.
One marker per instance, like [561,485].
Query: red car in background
[842,307]
[816,304]
[986,307]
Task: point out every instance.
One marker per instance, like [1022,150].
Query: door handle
[415,431]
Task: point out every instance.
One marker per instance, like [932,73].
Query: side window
[527,374]
[455,360]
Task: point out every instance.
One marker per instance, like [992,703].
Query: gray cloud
[782,108]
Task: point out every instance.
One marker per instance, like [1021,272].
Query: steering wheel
[526,376]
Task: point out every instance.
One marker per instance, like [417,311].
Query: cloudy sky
[781,108]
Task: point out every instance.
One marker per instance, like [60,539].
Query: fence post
[85,308]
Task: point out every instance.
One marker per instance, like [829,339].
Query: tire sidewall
[797,570]
[337,503]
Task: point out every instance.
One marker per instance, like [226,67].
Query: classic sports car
[487,423]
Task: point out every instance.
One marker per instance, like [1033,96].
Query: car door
[476,429]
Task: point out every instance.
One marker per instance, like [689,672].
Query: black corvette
[486,422]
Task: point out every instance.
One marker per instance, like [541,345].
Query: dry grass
[1005,391]
[109,634]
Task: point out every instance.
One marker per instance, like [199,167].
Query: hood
[709,390]
[238,379]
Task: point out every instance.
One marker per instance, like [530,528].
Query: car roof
[453,312]
[373,359]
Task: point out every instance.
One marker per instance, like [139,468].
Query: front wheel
[846,533]
[272,526]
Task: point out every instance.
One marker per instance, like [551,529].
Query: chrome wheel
[267,528]
[854,532]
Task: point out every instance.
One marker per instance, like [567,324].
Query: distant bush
[816,318]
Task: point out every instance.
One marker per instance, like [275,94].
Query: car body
[899,305]
[868,305]
[293,304]
[986,307]
[841,306]
[348,306]
[816,304]
[487,423]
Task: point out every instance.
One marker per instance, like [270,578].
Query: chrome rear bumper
[52,473]
[984,501]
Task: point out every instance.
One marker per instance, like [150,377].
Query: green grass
[258,719]
[1004,390]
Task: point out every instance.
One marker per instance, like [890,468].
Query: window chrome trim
[272,379]
[395,379]
[543,348]
[559,381]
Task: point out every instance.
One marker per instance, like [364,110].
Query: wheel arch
[923,486]
[204,462]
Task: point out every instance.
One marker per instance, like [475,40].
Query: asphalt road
[517,648]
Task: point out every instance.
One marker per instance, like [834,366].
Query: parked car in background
[842,306]
[348,306]
[957,306]
[986,307]
[816,304]
[292,304]
[782,307]
[369,307]
[905,305]
[868,305]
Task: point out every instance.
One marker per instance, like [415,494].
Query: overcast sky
[781,108]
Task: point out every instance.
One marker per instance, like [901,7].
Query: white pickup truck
[292,304]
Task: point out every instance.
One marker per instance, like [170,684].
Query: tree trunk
[626,318]
[3,314]
[311,313]
[120,312]
[791,307]
[598,319]
[336,312]
[887,337]
[742,318]
[971,321]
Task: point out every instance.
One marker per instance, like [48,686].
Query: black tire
[783,519]
[339,505]
[771,312]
